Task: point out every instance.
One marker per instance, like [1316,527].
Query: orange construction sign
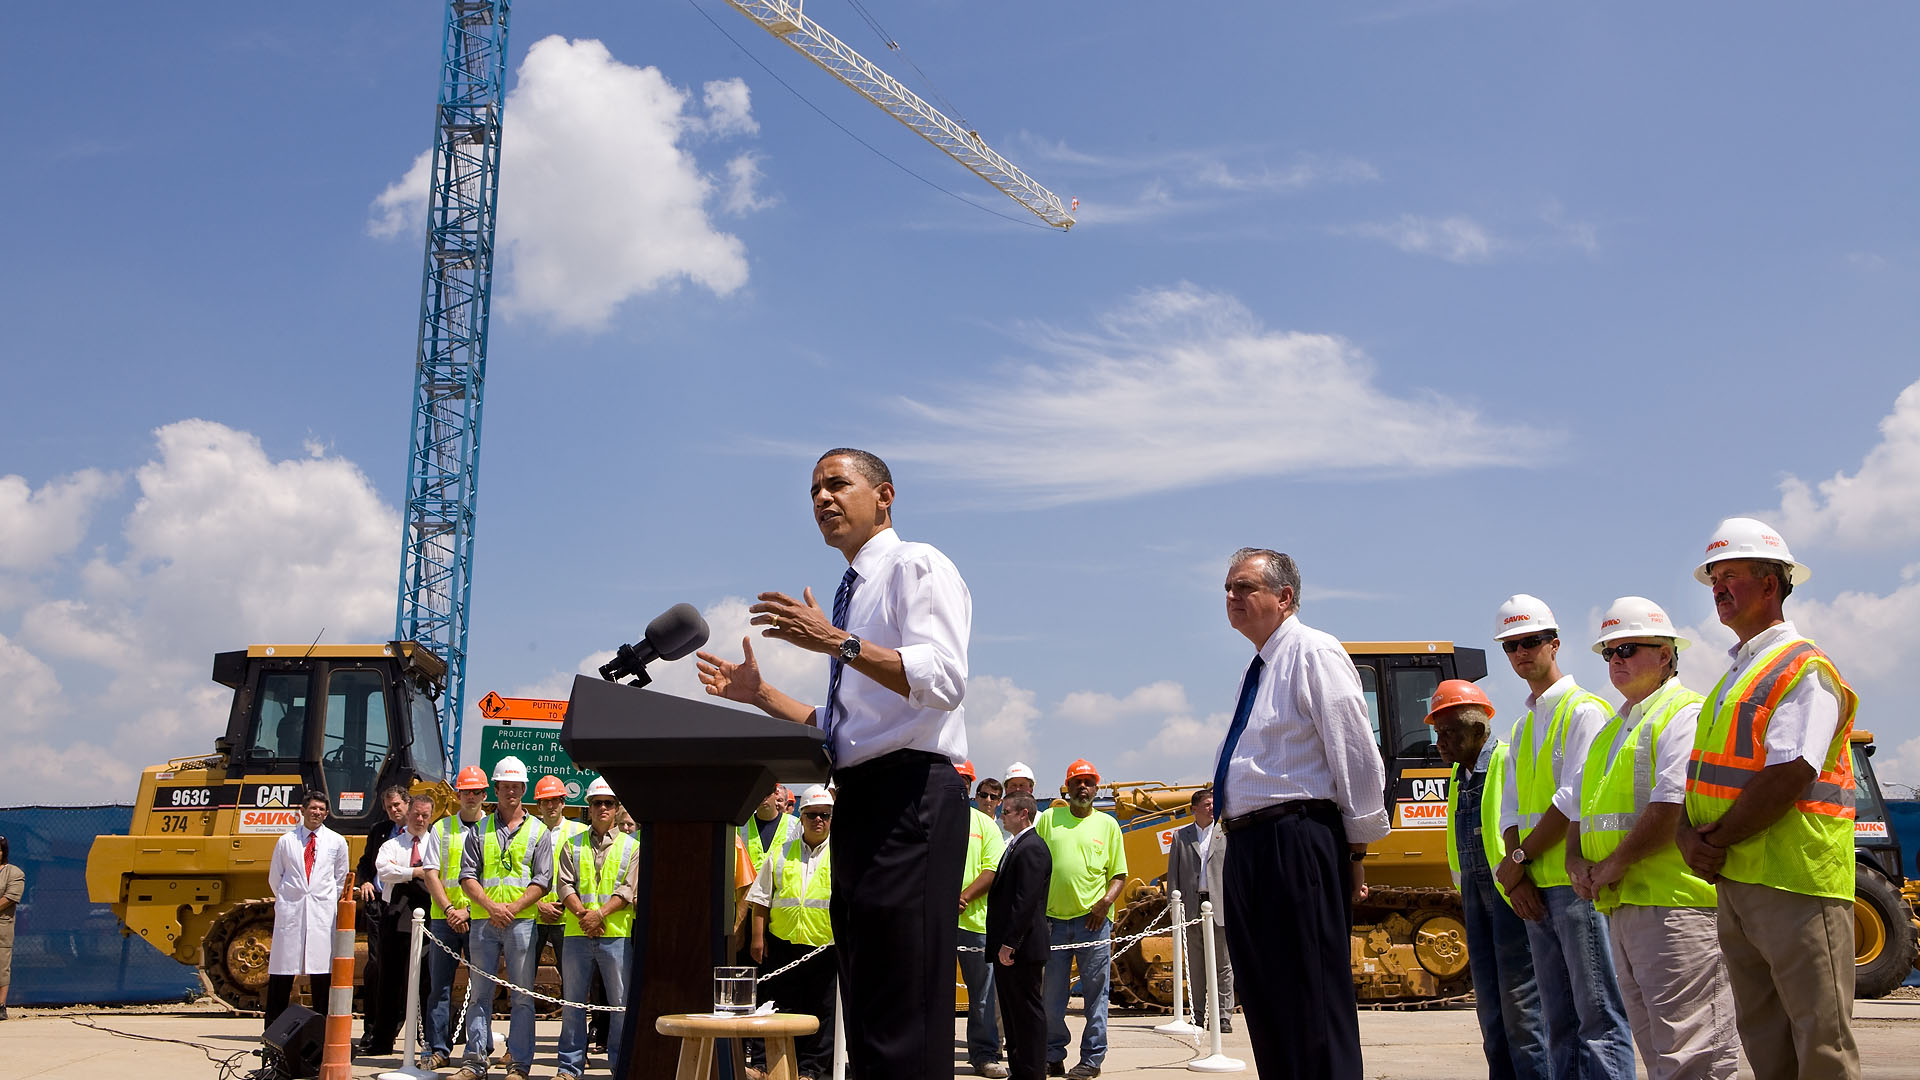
[546,710]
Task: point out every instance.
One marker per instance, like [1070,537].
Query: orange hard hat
[1457,692]
[471,778]
[1083,767]
[549,787]
[965,769]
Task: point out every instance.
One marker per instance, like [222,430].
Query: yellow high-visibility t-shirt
[1088,854]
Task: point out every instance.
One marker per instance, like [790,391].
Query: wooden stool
[697,1033]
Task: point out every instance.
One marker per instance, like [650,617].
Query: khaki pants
[1790,960]
[1667,960]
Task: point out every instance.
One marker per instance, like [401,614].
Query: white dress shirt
[761,891]
[393,864]
[1308,736]
[910,598]
[1585,723]
[1670,755]
[1802,725]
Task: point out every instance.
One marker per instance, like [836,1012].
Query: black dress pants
[385,987]
[899,839]
[1289,916]
[280,991]
[1023,1017]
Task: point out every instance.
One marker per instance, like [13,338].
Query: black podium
[687,771]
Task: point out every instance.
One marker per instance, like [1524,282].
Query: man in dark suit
[1017,936]
[1194,869]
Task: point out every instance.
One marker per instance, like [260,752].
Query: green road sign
[538,746]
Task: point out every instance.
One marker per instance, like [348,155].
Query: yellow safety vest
[1488,827]
[798,915]
[1534,785]
[596,884]
[568,829]
[750,834]
[452,834]
[1809,850]
[1614,790]
[504,875]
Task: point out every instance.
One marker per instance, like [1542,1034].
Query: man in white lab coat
[308,873]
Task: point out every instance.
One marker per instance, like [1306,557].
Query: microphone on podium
[671,635]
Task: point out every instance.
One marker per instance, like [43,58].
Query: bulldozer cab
[1398,679]
[346,720]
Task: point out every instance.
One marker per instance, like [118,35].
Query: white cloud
[1099,708]
[600,201]
[39,526]
[1000,724]
[1128,188]
[1878,506]
[1183,387]
[1456,239]
[224,547]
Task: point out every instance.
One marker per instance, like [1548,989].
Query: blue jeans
[983,1031]
[1506,994]
[609,956]
[440,969]
[1587,1031]
[1093,958]
[486,942]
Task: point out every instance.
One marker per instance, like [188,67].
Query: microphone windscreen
[677,631]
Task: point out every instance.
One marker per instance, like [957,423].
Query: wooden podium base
[679,937]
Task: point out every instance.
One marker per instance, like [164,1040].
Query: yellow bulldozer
[1409,943]
[191,875]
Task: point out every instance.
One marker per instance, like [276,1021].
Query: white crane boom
[785,21]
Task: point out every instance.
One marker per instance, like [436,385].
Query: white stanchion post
[409,1069]
[1215,1061]
[839,1034]
[1179,1025]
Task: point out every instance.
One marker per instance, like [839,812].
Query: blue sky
[1449,300]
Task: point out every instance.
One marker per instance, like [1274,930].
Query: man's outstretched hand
[724,678]
[797,622]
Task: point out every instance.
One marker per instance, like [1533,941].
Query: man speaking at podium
[897,636]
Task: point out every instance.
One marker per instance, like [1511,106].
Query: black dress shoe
[1056,1068]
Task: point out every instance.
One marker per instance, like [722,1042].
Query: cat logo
[1430,790]
[271,795]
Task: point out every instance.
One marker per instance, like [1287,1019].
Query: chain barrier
[498,981]
[1114,944]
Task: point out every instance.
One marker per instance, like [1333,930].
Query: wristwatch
[850,649]
[1356,856]
[1520,857]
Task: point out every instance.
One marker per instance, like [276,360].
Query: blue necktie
[1248,687]
[842,601]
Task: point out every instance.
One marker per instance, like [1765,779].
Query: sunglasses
[1625,650]
[1531,641]
[817,815]
[603,804]
[986,795]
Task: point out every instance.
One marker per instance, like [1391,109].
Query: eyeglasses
[986,795]
[602,804]
[1624,650]
[1531,641]
[816,815]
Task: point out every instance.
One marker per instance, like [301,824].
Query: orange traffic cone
[336,1060]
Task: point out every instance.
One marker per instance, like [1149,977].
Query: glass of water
[733,990]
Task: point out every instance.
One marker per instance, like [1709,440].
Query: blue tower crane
[450,369]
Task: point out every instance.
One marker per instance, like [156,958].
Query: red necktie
[416,853]
[311,837]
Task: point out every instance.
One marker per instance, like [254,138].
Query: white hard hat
[1522,615]
[815,796]
[600,788]
[1019,771]
[510,768]
[1749,538]
[1637,616]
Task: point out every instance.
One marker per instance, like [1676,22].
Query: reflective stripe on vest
[568,829]
[750,834]
[1615,787]
[1491,842]
[452,834]
[504,875]
[1534,784]
[798,915]
[596,884]
[1809,850]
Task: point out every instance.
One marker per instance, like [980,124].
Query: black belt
[1277,810]
[895,760]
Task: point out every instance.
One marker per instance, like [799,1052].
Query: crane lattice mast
[436,558]
[785,21]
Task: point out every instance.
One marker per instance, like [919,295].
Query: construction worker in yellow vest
[1587,1032]
[1506,993]
[1621,854]
[789,906]
[549,930]
[595,877]
[447,918]
[1769,815]
[506,868]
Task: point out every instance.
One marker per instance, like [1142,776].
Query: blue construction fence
[67,951]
